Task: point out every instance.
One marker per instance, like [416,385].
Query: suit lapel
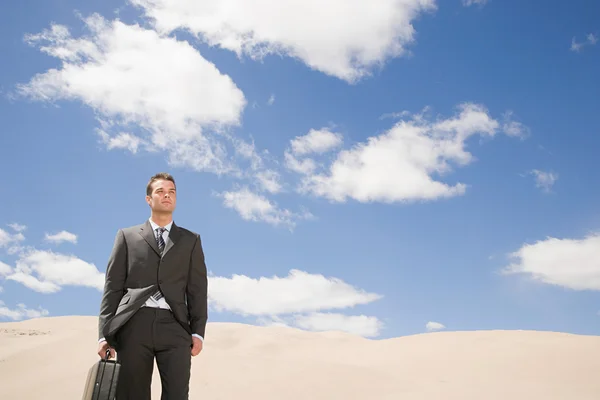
[173,238]
[148,235]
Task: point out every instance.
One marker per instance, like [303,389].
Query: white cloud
[316,141]
[569,263]
[21,312]
[362,325]
[468,3]
[47,272]
[299,300]
[264,178]
[18,227]
[62,236]
[33,283]
[148,91]
[401,164]
[255,207]
[271,100]
[576,46]
[544,180]
[514,128]
[304,166]
[5,269]
[299,292]
[434,326]
[591,40]
[356,324]
[346,39]
[8,240]
[121,140]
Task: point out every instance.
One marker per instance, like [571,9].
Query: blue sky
[372,169]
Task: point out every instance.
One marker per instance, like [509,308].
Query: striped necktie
[161,247]
[160,240]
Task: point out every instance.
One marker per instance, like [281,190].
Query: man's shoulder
[133,228]
[187,232]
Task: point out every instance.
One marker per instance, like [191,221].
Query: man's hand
[102,347]
[196,346]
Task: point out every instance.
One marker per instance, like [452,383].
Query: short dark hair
[156,177]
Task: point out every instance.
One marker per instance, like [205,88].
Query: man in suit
[154,304]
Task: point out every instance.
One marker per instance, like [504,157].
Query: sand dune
[48,358]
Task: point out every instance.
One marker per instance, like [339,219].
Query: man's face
[163,197]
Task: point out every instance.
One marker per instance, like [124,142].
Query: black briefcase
[102,380]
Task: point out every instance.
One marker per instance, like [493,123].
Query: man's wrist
[198,336]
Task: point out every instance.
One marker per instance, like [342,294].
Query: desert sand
[48,358]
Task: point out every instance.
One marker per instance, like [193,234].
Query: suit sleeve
[116,272]
[197,290]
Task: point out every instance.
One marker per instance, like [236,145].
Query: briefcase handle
[107,356]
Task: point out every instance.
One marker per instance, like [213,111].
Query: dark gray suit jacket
[135,271]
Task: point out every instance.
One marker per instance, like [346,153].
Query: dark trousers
[153,333]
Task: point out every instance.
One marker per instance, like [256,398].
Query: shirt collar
[155,226]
